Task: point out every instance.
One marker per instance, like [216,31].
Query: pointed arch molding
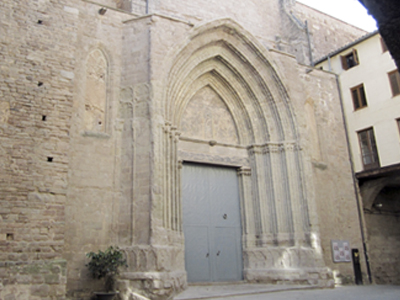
[224,57]
[230,56]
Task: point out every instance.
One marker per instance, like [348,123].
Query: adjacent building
[370,87]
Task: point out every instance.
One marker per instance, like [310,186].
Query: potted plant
[105,265]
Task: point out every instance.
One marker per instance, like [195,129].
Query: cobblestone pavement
[372,292]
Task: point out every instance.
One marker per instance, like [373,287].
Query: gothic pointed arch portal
[226,105]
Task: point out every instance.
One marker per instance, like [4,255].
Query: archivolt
[224,56]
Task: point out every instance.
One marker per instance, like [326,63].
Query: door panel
[211,223]
[224,199]
[197,253]
[227,247]
[195,199]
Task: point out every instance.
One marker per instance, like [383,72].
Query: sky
[350,11]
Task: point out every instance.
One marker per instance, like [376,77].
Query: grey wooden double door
[211,223]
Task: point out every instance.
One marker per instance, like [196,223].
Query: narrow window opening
[40,22]
[50,159]
[40,83]
[44,118]
[350,60]
[9,236]
[359,98]
[369,150]
[394,78]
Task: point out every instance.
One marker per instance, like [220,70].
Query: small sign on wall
[341,251]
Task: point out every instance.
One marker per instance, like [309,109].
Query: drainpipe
[309,43]
[147,7]
[359,204]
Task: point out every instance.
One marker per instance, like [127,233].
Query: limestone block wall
[96,195]
[255,16]
[36,99]
[289,34]
[383,237]
[95,121]
[155,258]
[330,163]
[327,33]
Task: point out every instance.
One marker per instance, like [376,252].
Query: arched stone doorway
[380,196]
[225,105]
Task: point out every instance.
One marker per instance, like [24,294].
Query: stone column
[171,171]
[300,205]
[260,220]
[247,207]
[275,153]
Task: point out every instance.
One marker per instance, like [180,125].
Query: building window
[384,47]
[358,95]
[350,60]
[394,78]
[369,152]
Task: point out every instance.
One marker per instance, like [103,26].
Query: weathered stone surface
[98,111]
[328,38]
[35,280]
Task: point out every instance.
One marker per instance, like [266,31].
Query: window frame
[394,81]
[344,60]
[357,102]
[372,149]
[398,124]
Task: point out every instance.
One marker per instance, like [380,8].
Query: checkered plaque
[341,251]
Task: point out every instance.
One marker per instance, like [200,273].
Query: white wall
[383,109]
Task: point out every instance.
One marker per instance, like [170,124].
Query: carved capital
[255,149]
[177,135]
[244,171]
[293,147]
[179,164]
[273,148]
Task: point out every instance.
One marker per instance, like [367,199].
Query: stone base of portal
[321,277]
[156,272]
[286,265]
[151,285]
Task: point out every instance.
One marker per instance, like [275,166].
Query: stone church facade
[107,107]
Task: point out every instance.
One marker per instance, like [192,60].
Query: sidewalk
[196,292]
[245,291]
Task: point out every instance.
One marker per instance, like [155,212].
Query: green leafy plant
[106,265]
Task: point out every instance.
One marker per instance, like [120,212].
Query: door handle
[218,253]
